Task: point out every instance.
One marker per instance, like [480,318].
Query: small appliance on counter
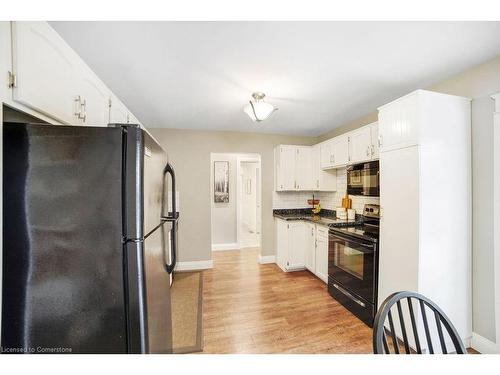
[353,264]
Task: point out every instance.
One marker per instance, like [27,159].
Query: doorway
[236,201]
[249,225]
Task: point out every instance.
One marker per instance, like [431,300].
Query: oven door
[363,179]
[352,262]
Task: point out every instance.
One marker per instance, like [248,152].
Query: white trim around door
[266,259]
[239,191]
[194,266]
[496,214]
[225,246]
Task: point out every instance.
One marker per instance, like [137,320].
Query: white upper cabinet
[326,154]
[93,101]
[334,153]
[363,144]
[323,180]
[297,168]
[375,141]
[5,59]
[294,168]
[303,168]
[340,146]
[285,157]
[45,68]
[52,80]
[353,147]
[360,145]
[118,113]
[133,120]
[398,123]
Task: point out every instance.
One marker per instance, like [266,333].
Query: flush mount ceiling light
[257,109]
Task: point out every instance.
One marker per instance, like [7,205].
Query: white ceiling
[199,75]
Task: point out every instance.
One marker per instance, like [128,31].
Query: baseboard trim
[266,259]
[225,246]
[194,266]
[483,345]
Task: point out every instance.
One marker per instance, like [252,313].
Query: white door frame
[239,190]
[496,215]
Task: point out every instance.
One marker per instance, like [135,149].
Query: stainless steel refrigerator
[89,240]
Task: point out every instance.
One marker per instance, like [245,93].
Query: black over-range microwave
[363,179]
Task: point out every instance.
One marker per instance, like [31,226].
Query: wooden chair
[381,330]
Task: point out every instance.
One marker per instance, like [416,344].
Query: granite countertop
[326,217]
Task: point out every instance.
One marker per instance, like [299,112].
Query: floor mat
[187,301]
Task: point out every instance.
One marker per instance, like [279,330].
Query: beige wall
[189,152]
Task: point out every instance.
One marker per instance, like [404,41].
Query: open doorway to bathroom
[249,203]
[236,201]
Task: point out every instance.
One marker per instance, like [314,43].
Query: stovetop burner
[367,227]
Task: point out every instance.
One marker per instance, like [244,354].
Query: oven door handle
[368,246]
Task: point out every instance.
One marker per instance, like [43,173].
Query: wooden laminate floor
[253,308]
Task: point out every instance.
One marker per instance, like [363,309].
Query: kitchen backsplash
[298,199]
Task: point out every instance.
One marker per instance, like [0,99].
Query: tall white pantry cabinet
[425,198]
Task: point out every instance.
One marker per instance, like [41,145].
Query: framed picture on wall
[221,181]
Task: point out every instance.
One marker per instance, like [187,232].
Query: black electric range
[353,264]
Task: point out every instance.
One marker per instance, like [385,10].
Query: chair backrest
[413,305]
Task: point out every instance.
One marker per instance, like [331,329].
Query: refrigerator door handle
[171,218]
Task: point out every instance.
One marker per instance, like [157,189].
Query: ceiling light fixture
[257,109]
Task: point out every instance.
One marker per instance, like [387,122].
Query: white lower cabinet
[311,247]
[321,253]
[301,244]
[297,245]
[290,244]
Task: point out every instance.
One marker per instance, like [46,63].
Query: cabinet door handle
[368,151]
[380,139]
[84,108]
[80,108]
[317,183]
[373,150]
